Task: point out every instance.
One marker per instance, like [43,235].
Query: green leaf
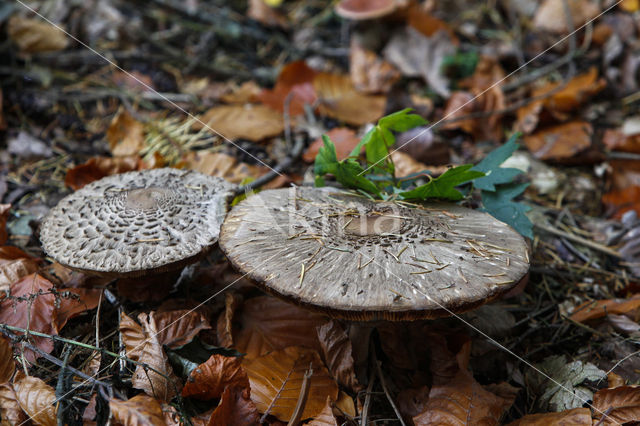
[401,121]
[444,185]
[500,204]
[355,152]
[377,152]
[494,174]
[326,160]
[348,174]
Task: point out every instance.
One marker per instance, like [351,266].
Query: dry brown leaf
[614,380]
[616,140]
[559,99]
[161,383]
[247,92]
[343,138]
[412,401]
[345,405]
[266,324]
[551,15]
[630,5]
[97,168]
[37,399]
[276,380]
[325,417]
[10,411]
[248,121]
[560,143]
[132,336]
[600,308]
[370,73]
[224,326]
[621,405]
[4,215]
[33,35]
[141,410]
[73,302]
[235,409]
[34,312]
[336,348]
[13,270]
[338,98]
[7,364]
[293,89]
[266,14]
[423,21]
[132,81]
[125,134]
[574,417]
[462,401]
[209,379]
[223,165]
[405,165]
[177,328]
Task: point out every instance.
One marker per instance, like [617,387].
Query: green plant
[378,178]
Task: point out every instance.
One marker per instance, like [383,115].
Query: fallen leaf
[132,81]
[325,417]
[247,92]
[343,138]
[222,165]
[336,348]
[423,21]
[405,165]
[276,380]
[179,327]
[209,379]
[345,405]
[37,399]
[4,215]
[159,380]
[630,5]
[10,410]
[370,73]
[338,98]
[417,55]
[600,308]
[614,380]
[266,324]
[576,416]
[224,326]
[616,140]
[139,410]
[235,409]
[266,15]
[13,270]
[125,134]
[248,121]
[133,336]
[33,35]
[560,143]
[33,310]
[293,87]
[73,302]
[412,401]
[621,405]
[97,168]
[462,401]
[559,99]
[551,15]
[7,364]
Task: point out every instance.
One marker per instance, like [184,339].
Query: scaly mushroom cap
[353,258]
[136,223]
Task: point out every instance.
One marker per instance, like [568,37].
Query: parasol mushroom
[358,259]
[137,223]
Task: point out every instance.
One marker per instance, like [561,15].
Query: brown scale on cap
[358,259]
[137,223]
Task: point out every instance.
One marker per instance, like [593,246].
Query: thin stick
[302,398]
[386,391]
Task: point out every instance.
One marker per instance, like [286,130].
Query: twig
[302,398]
[579,240]
[367,398]
[386,391]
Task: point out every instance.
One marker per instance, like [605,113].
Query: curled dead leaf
[293,89]
[139,410]
[179,327]
[209,379]
[562,142]
[621,405]
[235,409]
[370,73]
[97,168]
[248,121]
[10,410]
[276,380]
[37,399]
[600,308]
[125,134]
[336,348]
[32,35]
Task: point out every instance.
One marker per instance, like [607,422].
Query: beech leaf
[37,399]
[139,410]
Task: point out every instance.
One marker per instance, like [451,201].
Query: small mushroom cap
[357,259]
[137,223]
[365,9]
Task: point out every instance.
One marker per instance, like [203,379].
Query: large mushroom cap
[136,223]
[363,260]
